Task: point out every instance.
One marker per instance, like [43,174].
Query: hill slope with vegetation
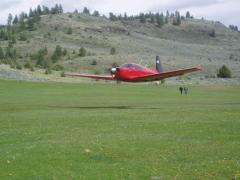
[55,41]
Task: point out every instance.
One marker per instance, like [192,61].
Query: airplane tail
[159,67]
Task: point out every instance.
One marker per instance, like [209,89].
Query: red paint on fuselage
[132,72]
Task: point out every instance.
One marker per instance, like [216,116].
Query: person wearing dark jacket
[181,89]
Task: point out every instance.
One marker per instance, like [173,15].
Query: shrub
[63,74]
[18,66]
[41,60]
[69,31]
[58,67]
[27,65]
[48,71]
[113,51]
[22,37]
[56,54]
[94,63]
[114,65]
[82,52]
[224,72]
[212,33]
[64,53]
[32,68]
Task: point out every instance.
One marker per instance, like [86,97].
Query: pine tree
[22,25]
[96,13]
[31,14]
[60,9]
[152,19]
[177,19]
[212,33]
[11,53]
[21,21]
[167,14]
[15,20]
[113,51]
[39,10]
[45,10]
[8,53]
[58,51]
[40,58]
[142,18]
[2,35]
[30,24]
[82,52]
[224,72]
[86,11]
[64,53]
[25,15]
[22,37]
[112,17]
[57,54]
[45,51]
[9,20]
[160,20]
[69,31]
[13,39]
[166,20]
[125,17]
[75,11]
[56,9]
[120,18]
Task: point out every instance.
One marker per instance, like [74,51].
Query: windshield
[132,66]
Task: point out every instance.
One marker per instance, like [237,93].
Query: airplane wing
[167,74]
[90,76]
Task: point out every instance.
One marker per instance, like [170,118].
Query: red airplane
[132,72]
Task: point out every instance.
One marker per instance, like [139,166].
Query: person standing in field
[181,89]
[185,90]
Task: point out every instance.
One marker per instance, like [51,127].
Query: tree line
[233,27]
[156,18]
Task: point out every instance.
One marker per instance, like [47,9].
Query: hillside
[178,46]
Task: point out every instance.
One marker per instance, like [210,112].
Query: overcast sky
[226,11]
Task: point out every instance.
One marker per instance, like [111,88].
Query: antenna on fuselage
[159,67]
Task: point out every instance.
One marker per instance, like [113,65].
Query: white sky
[226,11]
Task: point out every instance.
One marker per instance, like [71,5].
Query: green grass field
[110,131]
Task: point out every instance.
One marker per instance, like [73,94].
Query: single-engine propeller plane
[132,72]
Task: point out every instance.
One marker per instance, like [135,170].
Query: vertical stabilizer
[159,67]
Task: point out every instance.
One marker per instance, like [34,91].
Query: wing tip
[199,68]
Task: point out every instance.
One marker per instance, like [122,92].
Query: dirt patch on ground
[114,29]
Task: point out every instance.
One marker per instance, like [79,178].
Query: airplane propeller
[113,70]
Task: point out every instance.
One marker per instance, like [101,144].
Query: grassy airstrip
[110,131]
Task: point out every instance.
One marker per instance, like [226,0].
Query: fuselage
[129,72]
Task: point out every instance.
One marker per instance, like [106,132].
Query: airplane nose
[113,70]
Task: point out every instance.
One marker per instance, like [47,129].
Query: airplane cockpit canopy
[132,66]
